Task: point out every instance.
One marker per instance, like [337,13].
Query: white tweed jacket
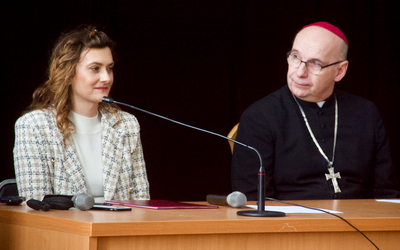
[45,165]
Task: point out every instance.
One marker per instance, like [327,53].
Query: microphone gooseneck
[110,100]
[260,212]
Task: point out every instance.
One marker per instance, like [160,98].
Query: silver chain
[330,163]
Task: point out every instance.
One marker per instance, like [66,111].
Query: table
[24,228]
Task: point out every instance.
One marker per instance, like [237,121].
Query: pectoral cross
[334,176]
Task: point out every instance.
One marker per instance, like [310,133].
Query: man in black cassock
[316,142]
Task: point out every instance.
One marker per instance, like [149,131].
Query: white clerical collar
[320,104]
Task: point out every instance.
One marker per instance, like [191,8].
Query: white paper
[392,201]
[294,209]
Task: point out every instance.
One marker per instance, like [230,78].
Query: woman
[70,142]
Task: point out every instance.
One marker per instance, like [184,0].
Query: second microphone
[234,199]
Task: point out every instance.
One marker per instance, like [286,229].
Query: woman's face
[93,80]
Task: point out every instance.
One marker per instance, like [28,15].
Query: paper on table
[392,201]
[294,209]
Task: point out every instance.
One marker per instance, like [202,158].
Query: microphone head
[83,201]
[107,99]
[236,199]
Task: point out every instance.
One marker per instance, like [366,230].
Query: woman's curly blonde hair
[55,93]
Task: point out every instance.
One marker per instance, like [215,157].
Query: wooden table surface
[380,220]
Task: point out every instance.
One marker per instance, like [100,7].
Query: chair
[232,135]
[8,187]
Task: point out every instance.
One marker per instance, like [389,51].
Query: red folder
[158,204]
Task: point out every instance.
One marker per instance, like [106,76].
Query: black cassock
[294,167]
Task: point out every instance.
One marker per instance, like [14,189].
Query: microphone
[38,205]
[234,199]
[12,200]
[83,201]
[80,201]
[260,212]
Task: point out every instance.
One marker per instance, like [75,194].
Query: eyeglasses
[312,67]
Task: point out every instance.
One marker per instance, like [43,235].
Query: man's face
[317,45]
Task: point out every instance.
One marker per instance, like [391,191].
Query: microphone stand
[260,212]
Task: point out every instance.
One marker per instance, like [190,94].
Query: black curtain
[199,62]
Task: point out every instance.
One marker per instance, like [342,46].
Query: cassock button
[335,196]
[320,112]
[322,140]
[322,125]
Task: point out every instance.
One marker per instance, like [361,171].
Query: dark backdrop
[199,62]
